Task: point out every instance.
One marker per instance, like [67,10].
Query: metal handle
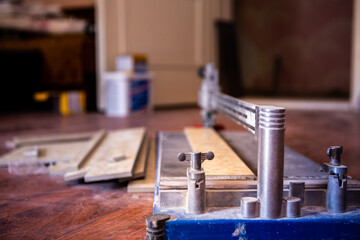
[195,158]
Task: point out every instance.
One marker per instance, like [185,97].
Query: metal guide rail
[243,113]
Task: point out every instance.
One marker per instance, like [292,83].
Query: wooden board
[226,161]
[148,183]
[62,153]
[46,139]
[123,142]
[116,143]
[141,161]
[49,153]
[140,166]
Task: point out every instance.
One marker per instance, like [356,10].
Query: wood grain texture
[19,141]
[140,165]
[47,207]
[226,161]
[61,152]
[65,152]
[100,165]
[122,142]
[146,184]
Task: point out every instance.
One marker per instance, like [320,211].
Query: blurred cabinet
[178,36]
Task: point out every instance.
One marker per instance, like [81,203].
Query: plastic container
[127,94]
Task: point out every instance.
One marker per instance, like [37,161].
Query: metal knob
[195,158]
[334,153]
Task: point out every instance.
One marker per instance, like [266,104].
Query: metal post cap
[334,153]
[157,221]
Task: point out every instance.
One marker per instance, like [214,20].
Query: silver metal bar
[241,112]
[271,161]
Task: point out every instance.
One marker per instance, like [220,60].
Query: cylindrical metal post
[196,198]
[336,194]
[249,207]
[293,208]
[195,162]
[271,160]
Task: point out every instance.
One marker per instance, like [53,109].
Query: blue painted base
[264,229]
[228,224]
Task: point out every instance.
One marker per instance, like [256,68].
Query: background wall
[178,36]
[65,3]
[294,47]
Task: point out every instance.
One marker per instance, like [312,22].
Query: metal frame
[267,123]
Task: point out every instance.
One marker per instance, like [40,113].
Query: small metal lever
[196,197]
[337,183]
[195,158]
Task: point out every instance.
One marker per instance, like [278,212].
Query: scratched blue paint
[264,229]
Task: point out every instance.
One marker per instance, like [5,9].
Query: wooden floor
[43,207]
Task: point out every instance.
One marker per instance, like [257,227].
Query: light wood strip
[148,183]
[46,139]
[48,153]
[123,142]
[226,161]
[141,161]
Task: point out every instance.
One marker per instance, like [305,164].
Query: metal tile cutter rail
[290,199]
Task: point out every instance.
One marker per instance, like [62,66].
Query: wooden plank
[63,153]
[140,166]
[141,161]
[82,155]
[111,146]
[226,161]
[46,139]
[49,153]
[148,183]
[123,142]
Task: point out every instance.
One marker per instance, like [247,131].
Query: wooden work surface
[43,207]
[225,162]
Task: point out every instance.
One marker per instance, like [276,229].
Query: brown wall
[295,47]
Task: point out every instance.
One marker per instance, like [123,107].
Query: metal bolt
[155,226]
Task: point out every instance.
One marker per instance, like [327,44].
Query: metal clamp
[337,184]
[196,198]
